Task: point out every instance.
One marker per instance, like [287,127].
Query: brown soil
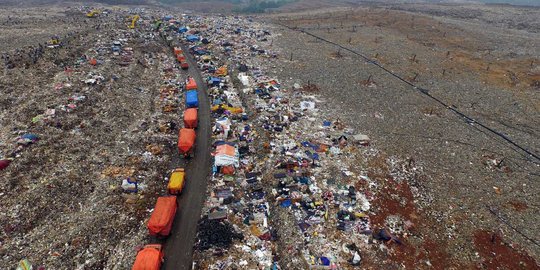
[496,254]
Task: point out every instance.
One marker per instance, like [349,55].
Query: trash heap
[85,148]
[303,180]
[235,216]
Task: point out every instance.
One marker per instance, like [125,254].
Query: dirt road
[179,246]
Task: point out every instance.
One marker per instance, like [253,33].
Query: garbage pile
[236,198]
[294,174]
[85,147]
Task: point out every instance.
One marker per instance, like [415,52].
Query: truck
[162,217]
[184,64]
[192,100]
[180,58]
[149,258]
[191,84]
[178,50]
[190,118]
[176,181]
[186,141]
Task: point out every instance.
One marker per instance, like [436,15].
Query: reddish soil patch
[518,206]
[397,199]
[394,199]
[496,254]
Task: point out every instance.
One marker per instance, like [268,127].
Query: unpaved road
[179,246]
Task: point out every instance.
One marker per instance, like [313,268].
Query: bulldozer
[94,13]
[54,42]
[134,19]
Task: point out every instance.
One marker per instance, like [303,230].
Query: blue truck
[192,100]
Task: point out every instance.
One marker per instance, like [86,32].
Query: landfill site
[314,135]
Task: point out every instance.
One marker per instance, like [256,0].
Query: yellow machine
[134,19]
[93,13]
[176,181]
[54,42]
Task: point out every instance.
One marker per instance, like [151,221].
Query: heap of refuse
[289,175]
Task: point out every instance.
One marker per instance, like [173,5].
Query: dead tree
[413,79]
[338,53]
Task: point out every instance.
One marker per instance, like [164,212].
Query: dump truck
[180,57]
[186,141]
[191,84]
[192,100]
[176,181]
[149,258]
[190,118]
[184,64]
[178,51]
[161,220]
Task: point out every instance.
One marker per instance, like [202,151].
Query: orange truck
[181,58]
[184,64]
[190,118]
[178,51]
[149,258]
[177,181]
[191,84]
[162,218]
[186,141]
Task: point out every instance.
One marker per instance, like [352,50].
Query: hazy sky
[515,2]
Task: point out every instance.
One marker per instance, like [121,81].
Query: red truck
[190,118]
[184,64]
[149,258]
[186,141]
[162,218]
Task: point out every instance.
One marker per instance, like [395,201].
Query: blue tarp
[167,18]
[325,260]
[182,29]
[286,203]
[214,81]
[192,100]
[217,101]
[192,38]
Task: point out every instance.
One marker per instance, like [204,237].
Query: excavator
[94,13]
[134,19]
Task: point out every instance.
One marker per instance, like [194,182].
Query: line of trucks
[181,58]
[160,223]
